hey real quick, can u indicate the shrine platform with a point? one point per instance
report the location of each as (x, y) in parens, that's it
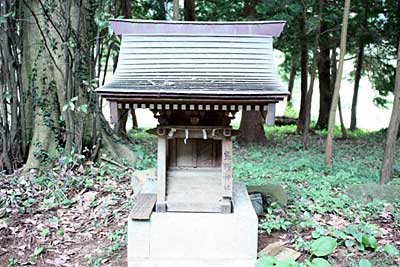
(182, 239)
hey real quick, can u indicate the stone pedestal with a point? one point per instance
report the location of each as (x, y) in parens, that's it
(173, 239)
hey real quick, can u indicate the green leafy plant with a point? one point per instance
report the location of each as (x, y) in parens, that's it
(323, 246)
(272, 221)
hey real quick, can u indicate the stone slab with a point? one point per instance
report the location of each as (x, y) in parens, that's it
(196, 239)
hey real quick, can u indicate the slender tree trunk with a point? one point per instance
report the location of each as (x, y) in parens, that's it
(11, 129)
(390, 145)
(357, 78)
(175, 8)
(304, 77)
(313, 74)
(292, 78)
(342, 126)
(333, 79)
(398, 23)
(324, 76)
(189, 10)
(338, 80)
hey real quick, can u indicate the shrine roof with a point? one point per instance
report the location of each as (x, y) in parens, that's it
(217, 60)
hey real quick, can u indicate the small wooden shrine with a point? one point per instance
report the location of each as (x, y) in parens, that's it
(194, 77)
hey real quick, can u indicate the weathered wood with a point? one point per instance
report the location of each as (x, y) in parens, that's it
(270, 119)
(143, 207)
(227, 167)
(191, 62)
(161, 173)
(114, 112)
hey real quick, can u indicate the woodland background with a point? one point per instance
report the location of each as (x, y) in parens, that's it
(65, 172)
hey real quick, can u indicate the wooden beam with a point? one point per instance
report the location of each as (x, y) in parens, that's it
(161, 174)
(270, 119)
(143, 207)
(113, 112)
(227, 168)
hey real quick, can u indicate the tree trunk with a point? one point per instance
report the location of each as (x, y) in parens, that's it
(390, 145)
(338, 80)
(59, 89)
(36, 51)
(342, 126)
(313, 74)
(251, 129)
(12, 128)
(189, 10)
(324, 77)
(126, 8)
(333, 79)
(175, 8)
(357, 78)
(304, 77)
(252, 122)
(292, 78)
(123, 114)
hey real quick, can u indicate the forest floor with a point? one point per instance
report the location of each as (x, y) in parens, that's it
(75, 214)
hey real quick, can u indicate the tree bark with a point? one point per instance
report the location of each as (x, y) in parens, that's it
(175, 8)
(304, 77)
(11, 108)
(123, 114)
(357, 78)
(333, 79)
(324, 77)
(390, 144)
(59, 90)
(189, 10)
(292, 78)
(313, 74)
(251, 129)
(252, 123)
(338, 80)
(342, 126)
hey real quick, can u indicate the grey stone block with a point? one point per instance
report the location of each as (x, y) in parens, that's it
(196, 239)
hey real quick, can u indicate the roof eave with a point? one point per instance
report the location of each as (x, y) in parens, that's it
(260, 28)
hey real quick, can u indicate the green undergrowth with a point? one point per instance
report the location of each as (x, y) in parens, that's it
(318, 205)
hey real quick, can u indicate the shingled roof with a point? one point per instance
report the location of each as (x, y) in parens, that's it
(218, 61)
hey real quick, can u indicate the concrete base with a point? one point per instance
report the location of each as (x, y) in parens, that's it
(172, 239)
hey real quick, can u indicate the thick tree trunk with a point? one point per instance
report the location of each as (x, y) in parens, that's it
(189, 10)
(304, 78)
(338, 80)
(357, 78)
(390, 145)
(324, 77)
(292, 78)
(251, 129)
(252, 123)
(46, 111)
(60, 92)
